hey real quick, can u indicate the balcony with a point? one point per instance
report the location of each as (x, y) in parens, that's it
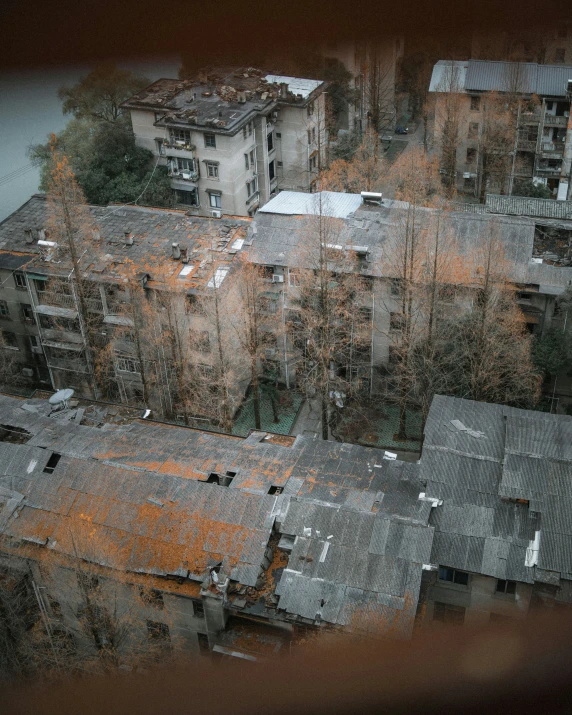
(551, 120)
(552, 148)
(184, 175)
(62, 300)
(548, 172)
(178, 149)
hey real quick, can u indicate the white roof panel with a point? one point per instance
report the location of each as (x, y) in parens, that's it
(332, 203)
(448, 74)
(305, 87)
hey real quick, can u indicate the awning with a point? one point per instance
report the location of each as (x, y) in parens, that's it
(56, 311)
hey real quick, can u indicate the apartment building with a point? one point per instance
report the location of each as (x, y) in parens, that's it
(241, 542)
(543, 133)
(538, 264)
(147, 275)
(499, 479)
(241, 546)
(232, 138)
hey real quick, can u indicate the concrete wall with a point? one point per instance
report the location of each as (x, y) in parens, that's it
(479, 599)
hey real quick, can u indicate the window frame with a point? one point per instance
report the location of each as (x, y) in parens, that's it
(454, 580)
(210, 140)
(443, 613)
(20, 277)
(505, 587)
(475, 103)
(5, 310)
(215, 199)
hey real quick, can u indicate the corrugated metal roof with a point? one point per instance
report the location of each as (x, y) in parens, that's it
(448, 76)
(326, 203)
(297, 85)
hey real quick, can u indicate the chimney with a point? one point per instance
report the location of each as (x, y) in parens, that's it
(284, 90)
(241, 95)
(176, 251)
(185, 255)
(29, 235)
(128, 238)
(189, 96)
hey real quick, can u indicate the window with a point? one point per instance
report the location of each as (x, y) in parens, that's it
(49, 322)
(253, 159)
(212, 169)
(269, 303)
(310, 108)
(200, 339)
(293, 277)
(271, 171)
(275, 490)
(246, 161)
(152, 597)
(34, 341)
(278, 135)
(194, 305)
(313, 134)
(313, 163)
(471, 155)
(447, 613)
(181, 164)
(127, 365)
(158, 632)
(396, 321)
(160, 147)
(473, 130)
(250, 127)
(210, 141)
(365, 314)
(507, 587)
(198, 609)
(20, 281)
(270, 141)
(4, 311)
(158, 116)
(215, 201)
(181, 136)
(461, 578)
(52, 463)
(189, 198)
(395, 286)
(27, 312)
(559, 55)
(251, 187)
(309, 137)
(10, 340)
(524, 297)
(203, 640)
(475, 104)
(244, 130)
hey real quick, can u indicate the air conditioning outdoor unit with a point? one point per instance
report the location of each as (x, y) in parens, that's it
(216, 214)
(277, 278)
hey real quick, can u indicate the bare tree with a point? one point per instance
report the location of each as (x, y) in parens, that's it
(365, 171)
(448, 120)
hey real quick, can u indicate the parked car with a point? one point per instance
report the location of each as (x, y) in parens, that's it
(401, 130)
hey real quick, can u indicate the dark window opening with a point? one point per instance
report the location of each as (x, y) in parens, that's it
(203, 643)
(475, 104)
(271, 172)
(213, 478)
(52, 463)
(275, 490)
(453, 576)
(152, 597)
(158, 632)
(198, 609)
(447, 613)
(471, 155)
(505, 586)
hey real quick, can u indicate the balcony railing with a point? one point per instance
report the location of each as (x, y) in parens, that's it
(551, 172)
(526, 145)
(552, 148)
(185, 175)
(73, 365)
(179, 145)
(62, 300)
(554, 121)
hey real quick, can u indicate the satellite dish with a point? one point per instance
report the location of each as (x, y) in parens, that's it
(61, 397)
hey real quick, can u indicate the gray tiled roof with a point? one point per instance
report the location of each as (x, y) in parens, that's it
(523, 456)
(361, 532)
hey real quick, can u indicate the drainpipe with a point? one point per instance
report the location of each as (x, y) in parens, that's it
(285, 338)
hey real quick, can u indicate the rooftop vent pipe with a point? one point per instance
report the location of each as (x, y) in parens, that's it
(176, 251)
(128, 238)
(29, 235)
(284, 90)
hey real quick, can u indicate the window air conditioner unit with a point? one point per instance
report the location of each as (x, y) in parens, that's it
(277, 278)
(216, 214)
(186, 174)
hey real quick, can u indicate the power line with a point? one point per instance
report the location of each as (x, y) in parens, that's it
(16, 174)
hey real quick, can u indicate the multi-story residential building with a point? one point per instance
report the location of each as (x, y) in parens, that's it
(500, 480)
(233, 137)
(536, 256)
(240, 546)
(545, 45)
(232, 537)
(542, 135)
(169, 259)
